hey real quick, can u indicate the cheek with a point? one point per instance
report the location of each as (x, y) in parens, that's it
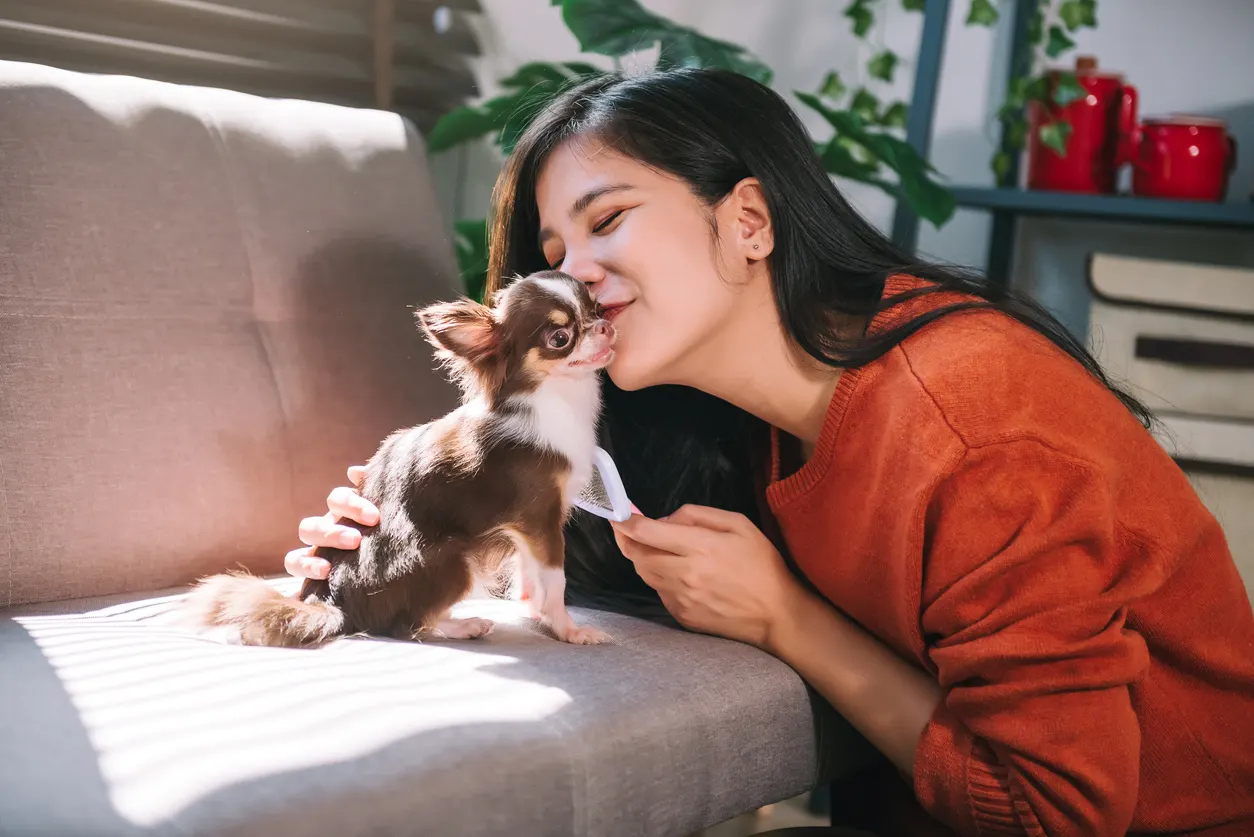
(670, 262)
(669, 323)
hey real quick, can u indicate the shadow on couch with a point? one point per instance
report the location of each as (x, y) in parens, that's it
(134, 727)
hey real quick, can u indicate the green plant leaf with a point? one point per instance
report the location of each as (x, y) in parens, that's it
(469, 122)
(1016, 133)
(538, 72)
(1071, 14)
(534, 73)
(612, 27)
(832, 88)
(883, 65)
(619, 27)
(982, 13)
(1001, 166)
(527, 109)
(470, 241)
(913, 5)
(846, 122)
(1067, 90)
(1076, 14)
(1090, 12)
(859, 11)
(692, 49)
(865, 104)
(840, 157)
(507, 116)
(1055, 135)
(894, 116)
(1019, 90)
(1037, 89)
(1059, 42)
(1036, 28)
(925, 197)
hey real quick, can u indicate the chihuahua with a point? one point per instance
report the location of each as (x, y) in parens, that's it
(461, 496)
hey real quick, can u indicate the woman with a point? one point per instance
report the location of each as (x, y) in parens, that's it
(1001, 579)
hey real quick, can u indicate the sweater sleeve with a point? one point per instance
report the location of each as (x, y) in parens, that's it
(1027, 581)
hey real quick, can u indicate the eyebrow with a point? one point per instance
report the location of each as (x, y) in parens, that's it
(580, 206)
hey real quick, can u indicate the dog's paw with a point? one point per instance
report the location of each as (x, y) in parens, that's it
(471, 628)
(584, 635)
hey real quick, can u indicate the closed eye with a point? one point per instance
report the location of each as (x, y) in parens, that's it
(605, 224)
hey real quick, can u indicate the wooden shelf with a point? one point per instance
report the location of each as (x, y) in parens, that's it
(1108, 207)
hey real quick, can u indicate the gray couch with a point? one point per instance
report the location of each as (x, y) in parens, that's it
(205, 316)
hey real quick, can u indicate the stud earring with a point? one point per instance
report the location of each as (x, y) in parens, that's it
(755, 247)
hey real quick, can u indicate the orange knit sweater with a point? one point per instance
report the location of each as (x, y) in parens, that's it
(993, 514)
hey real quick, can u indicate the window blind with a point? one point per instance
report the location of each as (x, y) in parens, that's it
(411, 56)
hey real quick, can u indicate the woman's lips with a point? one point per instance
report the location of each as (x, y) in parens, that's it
(611, 311)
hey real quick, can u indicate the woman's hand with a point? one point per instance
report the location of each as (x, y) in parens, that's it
(343, 502)
(716, 573)
(714, 570)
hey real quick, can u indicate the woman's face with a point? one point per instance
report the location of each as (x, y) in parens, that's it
(643, 243)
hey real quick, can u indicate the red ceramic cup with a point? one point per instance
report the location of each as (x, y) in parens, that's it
(1183, 158)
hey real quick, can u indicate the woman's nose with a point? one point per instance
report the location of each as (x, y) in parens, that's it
(583, 268)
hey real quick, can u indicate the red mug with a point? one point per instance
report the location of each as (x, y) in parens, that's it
(1103, 121)
(1183, 158)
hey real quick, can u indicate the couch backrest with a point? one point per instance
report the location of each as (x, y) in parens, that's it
(205, 317)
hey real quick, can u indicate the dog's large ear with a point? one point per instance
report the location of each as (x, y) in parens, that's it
(464, 329)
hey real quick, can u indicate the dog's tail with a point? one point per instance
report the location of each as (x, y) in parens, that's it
(256, 614)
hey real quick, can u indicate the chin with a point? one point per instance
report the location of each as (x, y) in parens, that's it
(631, 377)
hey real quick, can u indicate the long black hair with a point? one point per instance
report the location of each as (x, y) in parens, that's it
(712, 129)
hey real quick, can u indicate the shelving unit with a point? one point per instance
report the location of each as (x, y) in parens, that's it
(1008, 205)
(1108, 207)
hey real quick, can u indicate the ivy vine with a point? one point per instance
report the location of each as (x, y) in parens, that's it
(1052, 24)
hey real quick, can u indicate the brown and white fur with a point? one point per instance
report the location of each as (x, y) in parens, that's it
(459, 496)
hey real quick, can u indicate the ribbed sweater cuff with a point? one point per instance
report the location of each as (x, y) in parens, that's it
(959, 781)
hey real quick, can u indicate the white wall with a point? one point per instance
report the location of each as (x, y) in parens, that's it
(1184, 56)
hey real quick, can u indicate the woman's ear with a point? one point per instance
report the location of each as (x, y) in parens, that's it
(754, 231)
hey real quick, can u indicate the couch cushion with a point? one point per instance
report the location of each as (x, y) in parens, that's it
(205, 317)
(114, 722)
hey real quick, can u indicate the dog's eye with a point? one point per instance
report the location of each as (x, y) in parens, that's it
(559, 339)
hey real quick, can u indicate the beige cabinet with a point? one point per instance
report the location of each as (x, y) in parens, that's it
(1181, 337)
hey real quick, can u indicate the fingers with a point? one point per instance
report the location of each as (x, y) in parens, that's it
(655, 567)
(675, 538)
(324, 531)
(302, 563)
(347, 503)
(709, 517)
(357, 474)
(343, 504)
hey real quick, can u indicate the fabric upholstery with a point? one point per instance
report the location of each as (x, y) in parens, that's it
(205, 317)
(114, 721)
